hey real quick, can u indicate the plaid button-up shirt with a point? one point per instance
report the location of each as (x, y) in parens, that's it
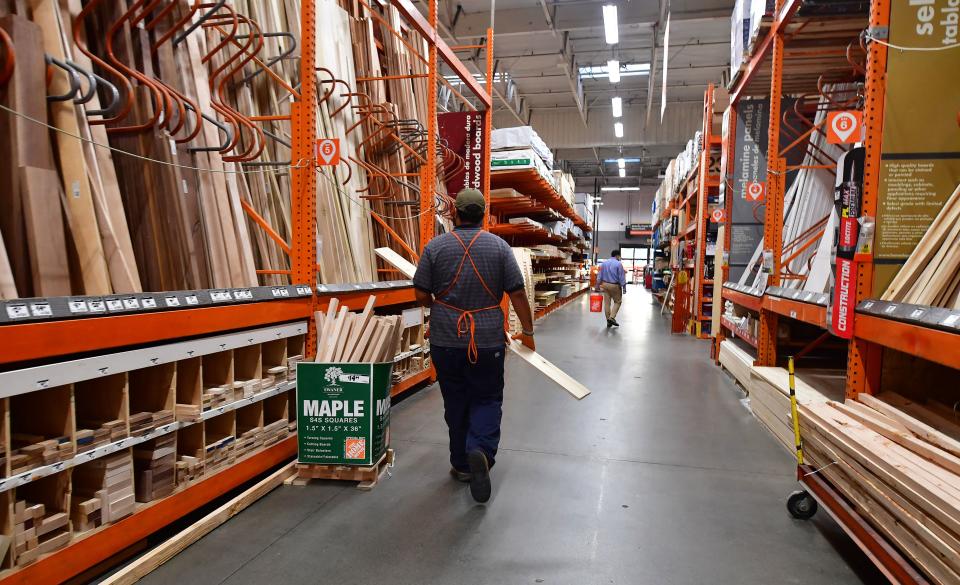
(438, 267)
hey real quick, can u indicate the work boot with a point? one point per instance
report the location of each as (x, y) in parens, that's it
(479, 476)
(462, 476)
(614, 323)
(609, 323)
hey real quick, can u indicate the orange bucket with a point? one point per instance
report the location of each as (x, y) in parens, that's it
(596, 302)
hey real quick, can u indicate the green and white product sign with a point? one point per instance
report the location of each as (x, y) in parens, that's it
(343, 412)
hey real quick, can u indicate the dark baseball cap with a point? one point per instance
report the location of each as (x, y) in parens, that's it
(467, 198)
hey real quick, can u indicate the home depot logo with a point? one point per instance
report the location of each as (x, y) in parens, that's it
(355, 448)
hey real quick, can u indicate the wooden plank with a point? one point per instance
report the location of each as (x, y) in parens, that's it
(170, 548)
(358, 331)
(919, 428)
(81, 215)
(8, 288)
(921, 448)
(405, 267)
(574, 388)
(45, 238)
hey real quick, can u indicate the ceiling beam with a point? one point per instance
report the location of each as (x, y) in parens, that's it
(573, 75)
(634, 17)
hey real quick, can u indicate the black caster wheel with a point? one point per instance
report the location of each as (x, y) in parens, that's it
(801, 505)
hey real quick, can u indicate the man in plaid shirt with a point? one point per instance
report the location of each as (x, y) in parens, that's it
(463, 276)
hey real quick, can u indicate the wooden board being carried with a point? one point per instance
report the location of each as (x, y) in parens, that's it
(576, 389)
(405, 267)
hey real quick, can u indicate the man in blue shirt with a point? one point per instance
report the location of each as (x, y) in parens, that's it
(612, 282)
(463, 276)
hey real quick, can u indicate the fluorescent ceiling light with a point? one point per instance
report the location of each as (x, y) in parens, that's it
(618, 129)
(623, 173)
(613, 70)
(611, 29)
(619, 188)
(621, 163)
(617, 105)
(617, 160)
(626, 70)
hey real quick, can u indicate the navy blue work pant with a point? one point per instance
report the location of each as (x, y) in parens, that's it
(472, 400)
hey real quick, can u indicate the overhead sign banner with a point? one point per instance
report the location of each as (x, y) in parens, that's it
(464, 134)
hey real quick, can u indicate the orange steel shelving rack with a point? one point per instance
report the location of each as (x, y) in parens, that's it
(770, 72)
(44, 340)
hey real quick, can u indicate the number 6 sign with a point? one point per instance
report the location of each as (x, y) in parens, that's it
(328, 152)
(844, 127)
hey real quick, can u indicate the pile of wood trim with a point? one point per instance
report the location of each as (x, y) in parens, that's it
(931, 275)
(898, 463)
(356, 337)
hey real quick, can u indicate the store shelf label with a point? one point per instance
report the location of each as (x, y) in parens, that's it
(18, 311)
(172, 301)
(951, 320)
(41, 309)
(192, 300)
(149, 303)
(917, 313)
(131, 304)
(889, 310)
(97, 306)
(77, 306)
(868, 305)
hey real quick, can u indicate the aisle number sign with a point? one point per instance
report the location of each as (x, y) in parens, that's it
(844, 127)
(328, 152)
(756, 190)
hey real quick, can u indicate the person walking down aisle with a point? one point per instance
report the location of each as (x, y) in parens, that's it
(463, 276)
(612, 282)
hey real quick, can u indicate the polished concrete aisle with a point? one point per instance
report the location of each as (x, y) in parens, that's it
(661, 476)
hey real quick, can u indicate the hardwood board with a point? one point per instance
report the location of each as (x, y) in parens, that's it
(45, 238)
(574, 388)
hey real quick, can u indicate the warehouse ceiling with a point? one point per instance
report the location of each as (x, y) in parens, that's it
(550, 60)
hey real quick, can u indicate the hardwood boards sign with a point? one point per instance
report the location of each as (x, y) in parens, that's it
(464, 134)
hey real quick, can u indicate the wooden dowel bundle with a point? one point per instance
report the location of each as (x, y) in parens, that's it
(356, 337)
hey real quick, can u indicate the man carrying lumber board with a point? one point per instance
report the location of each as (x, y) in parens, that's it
(463, 275)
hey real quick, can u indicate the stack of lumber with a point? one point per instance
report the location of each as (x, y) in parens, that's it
(524, 257)
(898, 463)
(769, 393)
(103, 492)
(143, 422)
(276, 375)
(737, 361)
(188, 412)
(246, 388)
(931, 275)
(214, 396)
(31, 451)
(37, 531)
(220, 453)
(154, 463)
(275, 431)
(189, 469)
(292, 367)
(363, 337)
(88, 439)
(249, 441)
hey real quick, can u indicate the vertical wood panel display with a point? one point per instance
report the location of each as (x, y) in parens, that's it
(189, 389)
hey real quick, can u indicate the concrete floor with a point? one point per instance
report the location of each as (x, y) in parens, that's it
(661, 476)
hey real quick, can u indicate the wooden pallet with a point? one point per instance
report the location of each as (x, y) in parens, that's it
(366, 475)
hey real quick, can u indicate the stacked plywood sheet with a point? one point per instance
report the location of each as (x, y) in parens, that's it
(770, 396)
(154, 465)
(931, 275)
(898, 463)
